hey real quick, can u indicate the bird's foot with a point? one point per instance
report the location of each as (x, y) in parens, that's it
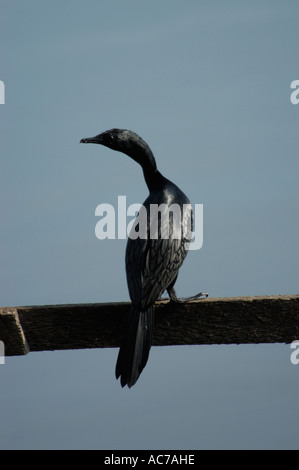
(173, 297)
(195, 297)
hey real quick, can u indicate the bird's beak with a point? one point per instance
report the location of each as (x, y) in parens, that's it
(91, 140)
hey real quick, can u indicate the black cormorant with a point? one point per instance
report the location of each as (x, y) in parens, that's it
(152, 260)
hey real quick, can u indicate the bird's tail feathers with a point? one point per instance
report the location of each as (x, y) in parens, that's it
(134, 351)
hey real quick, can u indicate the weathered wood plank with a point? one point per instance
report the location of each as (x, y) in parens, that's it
(11, 333)
(266, 319)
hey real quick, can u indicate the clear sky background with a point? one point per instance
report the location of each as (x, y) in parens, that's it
(207, 85)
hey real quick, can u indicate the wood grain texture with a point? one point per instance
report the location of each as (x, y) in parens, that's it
(235, 320)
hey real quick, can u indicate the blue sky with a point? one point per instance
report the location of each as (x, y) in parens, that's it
(207, 85)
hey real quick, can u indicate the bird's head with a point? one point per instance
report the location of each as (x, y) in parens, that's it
(116, 139)
(127, 142)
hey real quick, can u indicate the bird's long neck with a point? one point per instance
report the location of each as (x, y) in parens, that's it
(153, 178)
(144, 156)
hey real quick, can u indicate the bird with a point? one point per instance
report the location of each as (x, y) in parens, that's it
(152, 259)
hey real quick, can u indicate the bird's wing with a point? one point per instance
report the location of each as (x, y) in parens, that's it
(153, 263)
(134, 258)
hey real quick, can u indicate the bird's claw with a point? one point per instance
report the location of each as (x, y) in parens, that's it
(195, 297)
(188, 299)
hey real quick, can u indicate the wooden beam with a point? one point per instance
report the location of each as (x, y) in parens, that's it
(11, 333)
(267, 319)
